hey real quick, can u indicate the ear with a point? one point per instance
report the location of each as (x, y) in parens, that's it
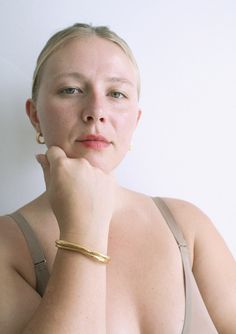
(138, 117)
(31, 111)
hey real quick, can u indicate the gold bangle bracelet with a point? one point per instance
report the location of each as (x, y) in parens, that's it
(71, 246)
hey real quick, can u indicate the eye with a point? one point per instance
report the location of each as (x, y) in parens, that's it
(118, 95)
(70, 91)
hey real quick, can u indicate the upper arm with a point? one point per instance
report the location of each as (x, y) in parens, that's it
(18, 299)
(214, 267)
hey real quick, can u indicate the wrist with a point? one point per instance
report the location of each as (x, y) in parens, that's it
(75, 247)
(89, 240)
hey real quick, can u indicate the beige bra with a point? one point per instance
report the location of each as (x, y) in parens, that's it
(197, 319)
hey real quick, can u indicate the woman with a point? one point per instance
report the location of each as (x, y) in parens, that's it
(123, 262)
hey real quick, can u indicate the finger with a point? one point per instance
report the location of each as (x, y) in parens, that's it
(43, 161)
(54, 153)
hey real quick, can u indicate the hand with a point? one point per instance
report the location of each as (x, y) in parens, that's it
(81, 196)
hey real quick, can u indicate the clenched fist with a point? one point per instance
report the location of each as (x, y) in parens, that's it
(81, 196)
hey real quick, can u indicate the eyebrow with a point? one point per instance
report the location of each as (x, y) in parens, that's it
(120, 80)
(80, 76)
(75, 75)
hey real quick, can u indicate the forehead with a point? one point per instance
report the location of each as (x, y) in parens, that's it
(90, 55)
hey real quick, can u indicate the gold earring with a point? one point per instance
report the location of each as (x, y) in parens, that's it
(39, 138)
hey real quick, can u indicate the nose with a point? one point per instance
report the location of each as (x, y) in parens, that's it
(94, 110)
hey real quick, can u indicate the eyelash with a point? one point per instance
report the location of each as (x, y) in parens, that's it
(75, 91)
(121, 95)
(70, 91)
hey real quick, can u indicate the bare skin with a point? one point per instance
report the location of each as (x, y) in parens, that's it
(143, 285)
(134, 301)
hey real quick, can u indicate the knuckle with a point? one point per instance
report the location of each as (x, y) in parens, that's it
(84, 162)
(59, 166)
(61, 162)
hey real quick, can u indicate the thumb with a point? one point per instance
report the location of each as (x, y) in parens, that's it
(43, 161)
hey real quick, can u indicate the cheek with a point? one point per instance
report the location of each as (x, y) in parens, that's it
(126, 127)
(53, 121)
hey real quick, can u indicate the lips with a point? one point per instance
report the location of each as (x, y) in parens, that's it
(96, 142)
(94, 138)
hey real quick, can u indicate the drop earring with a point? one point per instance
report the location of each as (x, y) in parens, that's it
(40, 138)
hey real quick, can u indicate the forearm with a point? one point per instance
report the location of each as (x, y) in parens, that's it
(75, 299)
(82, 199)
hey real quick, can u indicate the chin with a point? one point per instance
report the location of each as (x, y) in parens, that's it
(95, 161)
(102, 160)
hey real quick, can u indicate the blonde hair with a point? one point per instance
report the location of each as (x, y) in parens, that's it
(78, 30)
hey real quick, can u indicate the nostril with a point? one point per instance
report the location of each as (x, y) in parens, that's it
(89, 118)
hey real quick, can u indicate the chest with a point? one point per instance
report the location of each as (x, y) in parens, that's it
(145, 289)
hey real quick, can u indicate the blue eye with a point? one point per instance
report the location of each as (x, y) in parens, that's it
(117, 95)
(70, 91)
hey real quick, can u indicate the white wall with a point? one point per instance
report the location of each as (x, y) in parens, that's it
(185, 144)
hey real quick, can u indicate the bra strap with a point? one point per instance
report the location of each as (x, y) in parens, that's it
(178, 235)
(40, 264)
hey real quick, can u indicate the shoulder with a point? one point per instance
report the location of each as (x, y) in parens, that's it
(196, 226)
(193, 221)
(9, 238)
(18, 298)
(187, 214)
(14, 251)
(213, 265)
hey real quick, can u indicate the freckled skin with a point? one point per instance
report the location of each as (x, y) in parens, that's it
(89, 86)
(99, 97)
